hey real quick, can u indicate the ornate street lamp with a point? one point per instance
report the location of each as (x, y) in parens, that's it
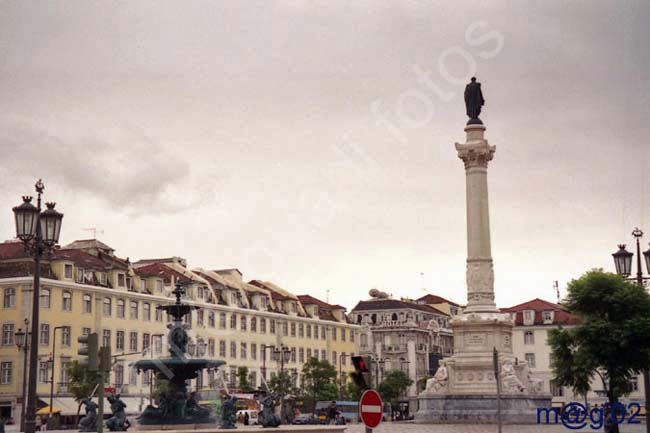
(39, 231)
(623, 263)
(22, 342)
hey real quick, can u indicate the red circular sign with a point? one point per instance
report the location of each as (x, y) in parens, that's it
(371, 408)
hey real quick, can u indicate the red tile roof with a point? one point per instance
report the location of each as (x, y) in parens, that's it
(12, 250)
(24, 269)
(393, 304)
(560, 315)
(162, 271)
(435, 299)
(81, 259)
(310, 300)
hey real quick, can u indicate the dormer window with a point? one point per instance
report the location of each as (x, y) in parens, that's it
(102, 278)
(547, 317)
(294, 308)
(529, 317)
(80, 275)
(68, 271)
(263, 302)
(159, 286)
(121, 280)
(143, 285)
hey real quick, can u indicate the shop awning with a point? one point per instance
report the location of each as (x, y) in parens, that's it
(62, 405)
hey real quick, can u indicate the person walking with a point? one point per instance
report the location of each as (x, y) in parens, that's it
(331, 413)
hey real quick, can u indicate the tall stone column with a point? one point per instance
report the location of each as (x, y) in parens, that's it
(476, 153)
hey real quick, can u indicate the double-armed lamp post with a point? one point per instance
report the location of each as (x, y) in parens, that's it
(22, 342)
(623, 263)
(39, 230)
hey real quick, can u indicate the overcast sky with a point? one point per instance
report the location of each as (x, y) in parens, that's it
(312, 143)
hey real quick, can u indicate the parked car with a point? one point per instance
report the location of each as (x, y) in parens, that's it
(304, 418)
(10, 421)
(252, 416)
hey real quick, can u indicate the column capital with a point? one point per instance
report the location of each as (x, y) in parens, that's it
(475, 152)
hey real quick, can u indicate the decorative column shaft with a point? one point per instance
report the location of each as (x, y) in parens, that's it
(476, 153)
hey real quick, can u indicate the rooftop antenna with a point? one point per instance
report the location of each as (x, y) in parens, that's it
(94, 230)
(557, 290)
(327, 296)
(424, 289)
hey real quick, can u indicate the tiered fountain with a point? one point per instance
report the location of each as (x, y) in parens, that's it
(174, 405)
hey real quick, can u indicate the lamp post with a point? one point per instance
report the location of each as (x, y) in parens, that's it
(283, 355)
(378, 361)
(623, 263)
(22, 341)
(39, 231)
(264, 347)
(52, 374)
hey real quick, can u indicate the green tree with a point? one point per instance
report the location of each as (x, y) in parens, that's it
(243, 379)
(281, 383)
(351, 391)
(394, 385)
(612, 340)
(318, 377)
(81, 382)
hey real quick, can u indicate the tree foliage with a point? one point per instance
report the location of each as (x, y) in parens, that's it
(281, 383)
(613, 339)
(319, 377)
(81, 382)
(394, 385)
(243, 379)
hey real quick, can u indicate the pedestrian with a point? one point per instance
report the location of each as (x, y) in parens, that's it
(246, 418)
(2, 424)
(331, 413)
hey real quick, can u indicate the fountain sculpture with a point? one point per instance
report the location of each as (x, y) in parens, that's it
(175, 406)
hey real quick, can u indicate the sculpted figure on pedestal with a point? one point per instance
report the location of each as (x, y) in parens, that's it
(439, 381)
(511, 383)
(474, 101)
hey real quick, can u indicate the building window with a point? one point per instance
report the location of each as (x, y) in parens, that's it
(343, 361)
(222, 320)
(253, 351)
(118, 371)
(8, 334)
(334, 334)
(243, 351)
(301, 330)
(233, 321)
(159, 286)
(211, 321)
(253, 324)
(352, 336)
(263, 325)
(343, 334)
(45, 298)
(233, 349)
(315, 331)
(293, 329)
(293, 354)
(211, 347)
(134, 310)
(45, 334)
(285, 328)
(529, 317)
(9, 299)
(146, 341)
(530, 359)
(106, 337)
(66, 336)
(133, 376)
(6, 373)
(87, 304)
(334, 360)
(222, 348)
(308, 354)
(547, 316)
(159, 314)
(308, 331)
(68, 271)
(67, 301)
(121, 281)
(556, 391)
(301, 355)
(120, 308)
(323, 354)
(529, 337)
(323, 333)
(272, 326)
(102, 278)
(43, 371)
(146, 311)
(107, 307)
(244, 323)
(119, 340)
(316, 353)
(199, 317)
(158, 342)
(133, 342)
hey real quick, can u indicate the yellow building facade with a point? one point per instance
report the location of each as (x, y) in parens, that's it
(86, 288)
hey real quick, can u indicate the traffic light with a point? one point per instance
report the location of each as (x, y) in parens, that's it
(90, 350)
(362, 376)
(105, 360)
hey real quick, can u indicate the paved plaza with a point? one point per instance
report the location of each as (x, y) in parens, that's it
(398, 427)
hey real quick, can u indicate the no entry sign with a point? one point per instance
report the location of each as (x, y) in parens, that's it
(370, 408)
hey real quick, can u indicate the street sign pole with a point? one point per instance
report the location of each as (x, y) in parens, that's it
(371, 409)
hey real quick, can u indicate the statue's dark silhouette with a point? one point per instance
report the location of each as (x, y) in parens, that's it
(473, 102)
